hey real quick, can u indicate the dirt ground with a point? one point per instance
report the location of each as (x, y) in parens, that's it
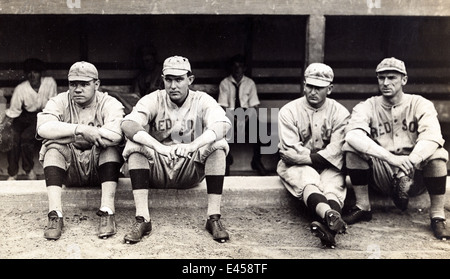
(256, 233)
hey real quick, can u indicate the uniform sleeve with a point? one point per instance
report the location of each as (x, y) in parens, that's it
(53, 110)
(144, 110)
(224, 94)
(212, 112)
(287, 130)
(360, 118)
(253, 99)
(113, 113)
(427, 122)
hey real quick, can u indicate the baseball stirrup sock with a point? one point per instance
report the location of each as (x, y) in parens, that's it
(318, 203)
(358, 176)
(214, 184)
(109, 172)
(435, 185)
(54, 176)
(140, 179)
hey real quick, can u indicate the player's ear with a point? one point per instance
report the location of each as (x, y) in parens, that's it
(191, 79)
(404, 80)
(97, 84)
(329, 89)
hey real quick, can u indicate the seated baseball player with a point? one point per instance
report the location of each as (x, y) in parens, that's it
(81, 131)
(311, 131)
(395, 146)
(176, 138)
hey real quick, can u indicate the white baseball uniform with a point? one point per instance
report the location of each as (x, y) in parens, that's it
(397, 128)
(170, 124)
(321, 131)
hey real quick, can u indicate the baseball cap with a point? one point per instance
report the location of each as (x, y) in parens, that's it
(391, 64)
(319, 74)
(82, 71)
(176, 66)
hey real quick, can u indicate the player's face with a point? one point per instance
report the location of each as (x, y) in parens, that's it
(237, 70)
(177, 87)
(83, 92)
(34, 77)
(316, 95)
(391, 83)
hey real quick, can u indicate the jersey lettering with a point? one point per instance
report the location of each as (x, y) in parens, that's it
(386, 128)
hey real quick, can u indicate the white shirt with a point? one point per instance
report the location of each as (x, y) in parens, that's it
(25, 97)
(247, 92)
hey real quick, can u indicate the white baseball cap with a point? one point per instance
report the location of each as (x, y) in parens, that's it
(82, 71)
(319, 74)
(392, 64)
(176, 66)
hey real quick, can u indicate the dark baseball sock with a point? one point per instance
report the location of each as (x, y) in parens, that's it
(214, 188)
(140, 179)
(109, 172)
(358, 176)
(314, 199)
(214, 184)
(335, 205)
(54, 176)
(435, 185)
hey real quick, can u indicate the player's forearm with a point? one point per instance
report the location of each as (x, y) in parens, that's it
(359, 140)
(209, 136)
(112, 138)
(146, 139)
(423, 150)
(56, 130)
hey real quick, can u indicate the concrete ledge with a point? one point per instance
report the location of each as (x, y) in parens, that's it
(239, 192)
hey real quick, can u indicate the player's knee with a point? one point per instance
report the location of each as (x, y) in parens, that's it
(215, 163)
(55, 157)
(137, 160)
(109, 154)
(355, 161)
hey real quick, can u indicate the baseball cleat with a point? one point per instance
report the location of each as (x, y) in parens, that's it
(334, 221)
(214, 226)
(107, 226)
(325, 235)
(440, 230)
(54, 226)
(357, 215)
(400, 194)
(139, 229)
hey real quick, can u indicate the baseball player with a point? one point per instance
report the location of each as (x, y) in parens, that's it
(176, 138)
(311, 131)
(80, 129)
(394, 144)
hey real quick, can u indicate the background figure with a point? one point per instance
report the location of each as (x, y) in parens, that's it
(239, 91)
(311, 131)
(81, 132)
(28, 98)
(149, 77)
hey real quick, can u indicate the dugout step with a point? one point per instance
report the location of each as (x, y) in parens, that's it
(239, 192)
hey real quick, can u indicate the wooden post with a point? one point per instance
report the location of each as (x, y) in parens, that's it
(315, 39)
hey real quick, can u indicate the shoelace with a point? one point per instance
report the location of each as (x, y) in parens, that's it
(136, 228)
(218, 225)
(53, 222)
